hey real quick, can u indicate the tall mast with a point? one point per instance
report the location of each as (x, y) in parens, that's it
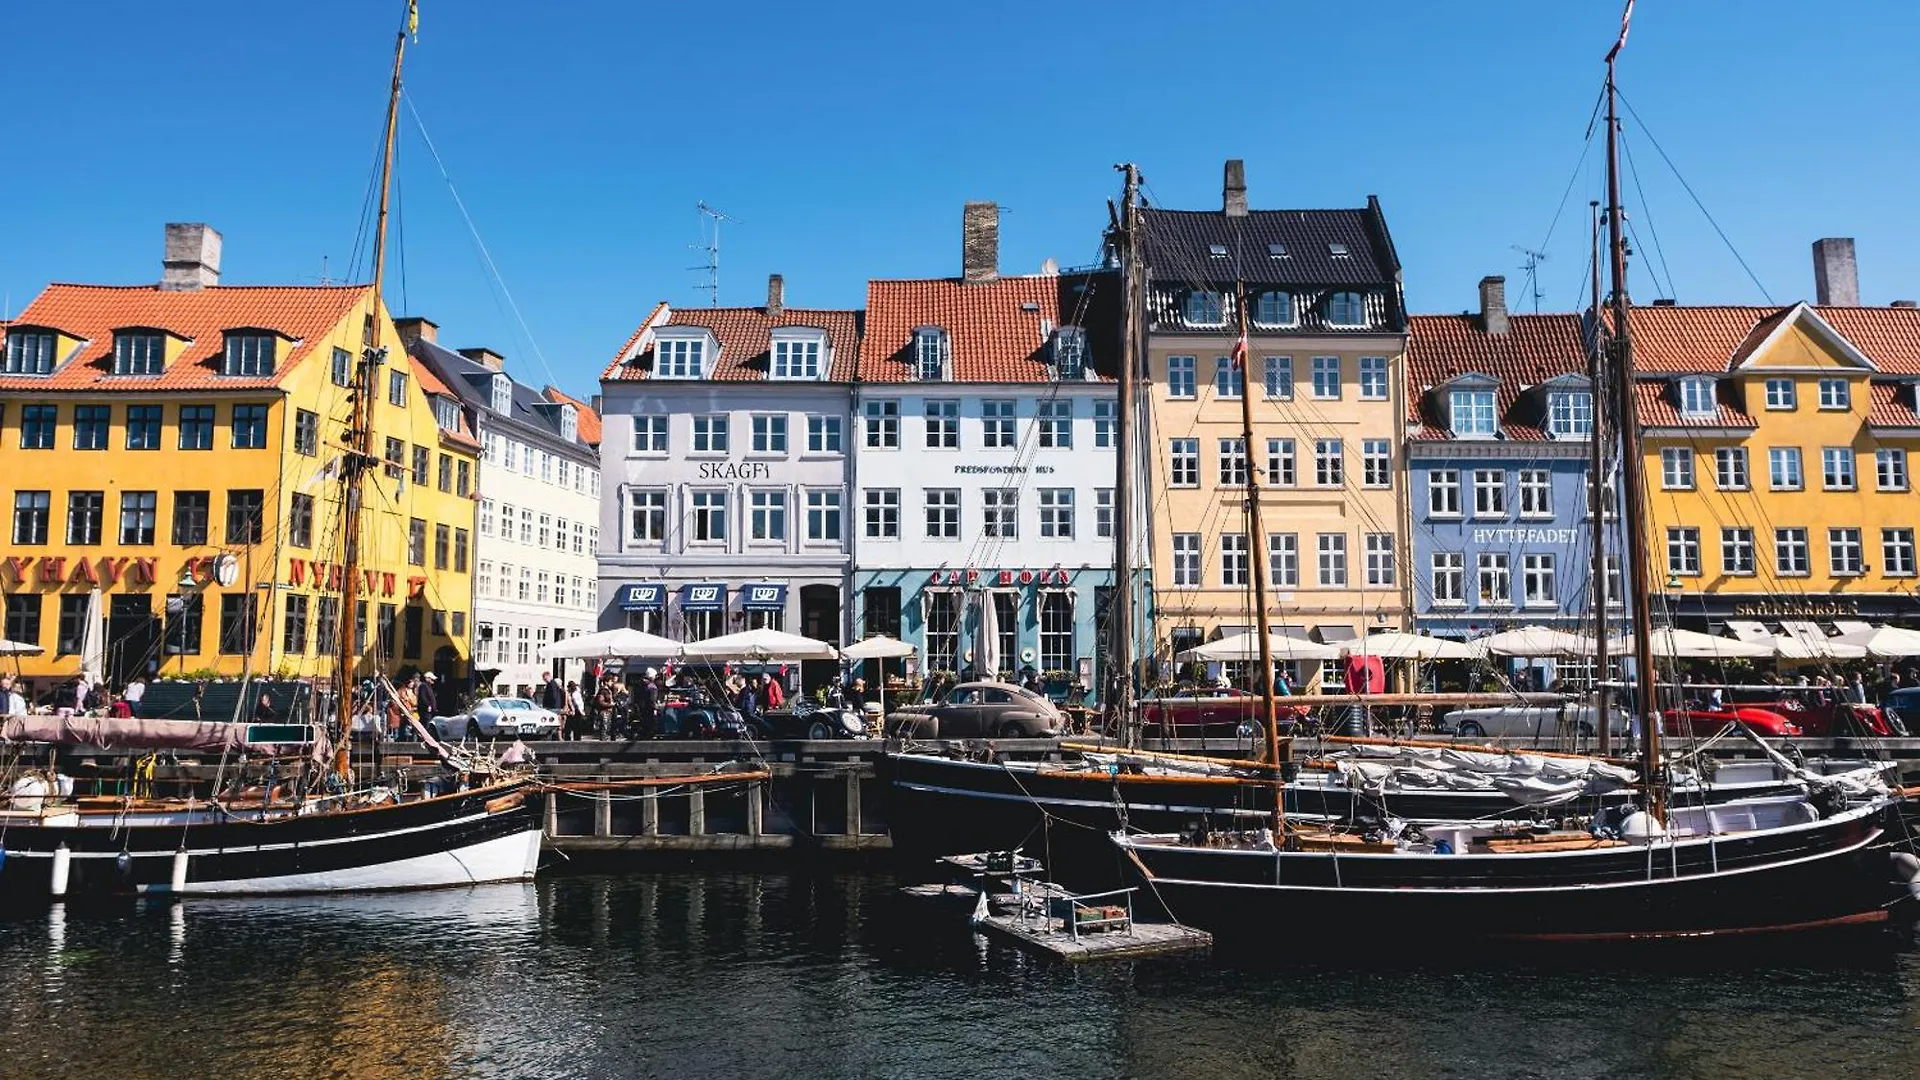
(1597, 498)
(1256, 549)
(359, 456)
(1632, 469)
(1120, 678)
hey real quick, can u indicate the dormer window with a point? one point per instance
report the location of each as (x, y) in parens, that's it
(1697, 398)
(1570, 414)
(1472, 414)
(1346, 309)
(679, 357)
(1202, 307)
(139, 352)
(500, 395)
(1273, 309)
(1276, 251)
(446, 414)
(930, 354)
(1069, 352)
(569, 423)
(1337, 249)
(1216, 251)
(249, 352)
(798, 355)
(30, 352)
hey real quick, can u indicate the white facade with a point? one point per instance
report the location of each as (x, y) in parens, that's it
(535, 570)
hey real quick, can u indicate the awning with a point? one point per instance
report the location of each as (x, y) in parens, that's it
(650, 596)
(1332, 632)
(765, 596)
(703, 596)
(1227, 630)
(1747, 630)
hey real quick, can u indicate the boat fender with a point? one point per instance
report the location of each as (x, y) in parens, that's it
(30, 793)
(1640, 825)
(1443, 847)
(3, 858)
(123, 862)
(1906, 869)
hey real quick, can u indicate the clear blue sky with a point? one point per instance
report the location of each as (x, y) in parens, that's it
(844, 138)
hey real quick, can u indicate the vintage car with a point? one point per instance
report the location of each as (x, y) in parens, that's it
(1704, 720)
(1531, 721)
(500, 718)
(1208, 712)
(972, 710)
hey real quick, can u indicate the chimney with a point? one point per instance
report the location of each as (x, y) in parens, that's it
(597, 399)
(413, 328)
(980, 242)
(1493, 304)
(1836, 280)
(1233, 195)
(192, 257)
(486, 358)
(776, 296)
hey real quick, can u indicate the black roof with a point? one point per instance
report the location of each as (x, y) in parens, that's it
(1184, 245)
(533, 413)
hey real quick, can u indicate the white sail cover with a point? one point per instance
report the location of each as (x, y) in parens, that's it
(109, 732)
(1528, 779)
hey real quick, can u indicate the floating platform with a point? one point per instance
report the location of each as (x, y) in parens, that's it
(1004, 897)
(1138, 941)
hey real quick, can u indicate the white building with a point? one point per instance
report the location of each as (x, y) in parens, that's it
(534, 565)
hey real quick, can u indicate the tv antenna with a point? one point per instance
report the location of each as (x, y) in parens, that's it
(710, 220)
(1532, 267)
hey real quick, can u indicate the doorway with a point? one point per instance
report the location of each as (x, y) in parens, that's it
(820, 619)
(133, 638)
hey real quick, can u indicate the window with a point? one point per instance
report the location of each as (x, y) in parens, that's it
(880, 610)
(1280, 463)
(143, 427)
(306, 434)
(1006, 609)
(1845, 552)
(442, 545)
(71, 634)
(1896, 552)
(1000, 513)
(1186, 559)
(1781, 395)
(1736, 550)
(1183, 463)
(943, 629)
(709, 516)
(294, 624)
(769, 433)
(1326, 378)
(422, 465)
(883, 425)
(397, 388)
(1273, 309)
(647, 517)
(996, 424)
(1783, 468)
(943, 513)
(1056, 513)
(1536, 493)
(190, 513)
(396, 458)
(416, 542)
(767, 515)
(460, 548)
(823, 515)
(1730, 468)
(675, 358)
(1683, 551)
(1180, 377)
(1836, 468)
(245, 512)
(710, 434)
(1283, 560)
(237, 617)
(1790, 552)
(84, 509)
(1333, 560)
(1229, 382)
(1329, 463)
(1069, 352)
(1202, 307)
(1376, 463)
(649, 434)
(930, 354)
(1495, 579)
(249, 427)
(1697, 398)
(23, 618)
(1103, 513)
(300, 520)
(446, 415)
(444, 474)
(463, 479)
(1443, 493)
(31, 509)
(1448, 575)
(1055, 420)
(37, 423)
(823, 435)
(1489, 493)
(1233, 463)
(342, 367)
(943, 425)
(1346, 308)
(1536, 580)
(1380, 572)
(1279, 378)
(1676, 468)
(183, 626)
(1373, 378)
(1105, 423)
(30, 352)
(1233, 559)
(91, 423)
(883, 514)
(500, 398)
(1834, 394)
(796, 358)
(1570, 414)
(249, 354)
(1890, 469)
(1472, 414)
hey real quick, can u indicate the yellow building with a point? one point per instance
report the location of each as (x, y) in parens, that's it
(1778, 444)
(1327, 335)
(168, 452)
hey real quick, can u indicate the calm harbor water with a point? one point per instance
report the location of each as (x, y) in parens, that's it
(673, 974)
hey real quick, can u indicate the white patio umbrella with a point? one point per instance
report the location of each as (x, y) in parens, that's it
(1797, 647)
(93, 645)
(1676, 644)
(18, 648)
(878, 647)
(1395, 645)
(1245, 647)
(1536, 641)
(986, 637)
(1885, 642)
(761, 644)
(615, 644)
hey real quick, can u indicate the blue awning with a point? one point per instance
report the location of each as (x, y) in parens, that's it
(651, 596)
(764, 596)
(703, 596)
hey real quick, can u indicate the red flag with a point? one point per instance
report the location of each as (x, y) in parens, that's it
(1240, 352)
(1625, 18)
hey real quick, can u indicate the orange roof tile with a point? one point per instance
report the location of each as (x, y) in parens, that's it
(1717, 338)
(1655, 401)
(745, 336)
(587, 422)
(996, 329)
(1892, 405)
(431, 385)
(1535, 348)
(304, 313)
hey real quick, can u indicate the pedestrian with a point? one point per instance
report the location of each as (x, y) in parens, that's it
(857, 695)
(405, 703)
(1859, 688)
(603, 712)
(776, 696)
(646, 704)
(12, 701)
(426, 699)
(134, 691)
(263, 711)
(748, 702)
(117, 706)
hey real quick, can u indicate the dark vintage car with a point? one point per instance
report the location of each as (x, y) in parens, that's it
(972, 710)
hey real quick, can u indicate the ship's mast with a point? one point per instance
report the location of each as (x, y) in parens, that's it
(1597, 497)
(1256, 548)
(1120, 676)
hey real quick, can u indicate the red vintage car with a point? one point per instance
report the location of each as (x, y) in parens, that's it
(1207, 713)
(1823, 713)
(1707, 720)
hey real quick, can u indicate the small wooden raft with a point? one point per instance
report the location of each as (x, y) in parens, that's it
(1007, 899)
(1139, 940)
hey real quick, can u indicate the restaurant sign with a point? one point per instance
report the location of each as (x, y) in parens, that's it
(1000, 578)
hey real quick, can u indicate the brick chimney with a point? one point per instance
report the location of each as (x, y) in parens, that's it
(980, 242)
(1493, 304)
(1836, 280)
(776, 296)
(192, 257)
(1233, 193)
(414, 328)
(486, 358)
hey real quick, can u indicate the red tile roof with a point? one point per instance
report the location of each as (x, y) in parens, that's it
(1889, 336)
(1677, 339)
(745, 336)
(1657, 403)
(307, 314)
(997, 330)
(431, 385)
(1892, 405)
(587, 421)
(1535, 348)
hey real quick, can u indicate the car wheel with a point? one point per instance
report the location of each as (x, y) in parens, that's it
(473, 730)
(819, 730)
(1253, 731)
(1011, 730)
(1471, 729)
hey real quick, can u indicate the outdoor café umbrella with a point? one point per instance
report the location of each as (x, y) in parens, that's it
(18, 648)
(877, 647)
(1395, 645)
(1245, 647)
(1884, 642)
(1536, 641)
(611, 645)
(1674, 644)
(758, 645)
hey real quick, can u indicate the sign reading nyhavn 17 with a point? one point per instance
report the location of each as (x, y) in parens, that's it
(58, 570)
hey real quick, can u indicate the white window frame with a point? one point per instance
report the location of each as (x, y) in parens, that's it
(1329, 463)
(1381, 570)
(1790, 546)
(1283, 560)
(1233, 462)
(709, 435)
(1376, 464)
(1838, 469)
(1890, 469)
(1537, 574)
(1443, 493)
(1683, 551)
(1472, 414)
(1374, 378)
(1331, 549)
(1493, 579)
(1234, 566)
(1490, 494)
(674, 357)
(1731, 471)
(1835, 395)
(880, 517)
(1056, 513)
(1676, 468)
(1785, 470)
(1697, 398)
(998, 428)
(1897, 552)
(942, 513)
(825, 434)
(1782, 395)
(1326, 378)
(1536, 493)
(942, 418)
(1182, 371)
(1000, 513)
(1278, 376)
(797, 357)
(707, 509)
(1846, 551)
(1183, 462)
(1446, 576)
(1186, 560)
(1738, 557)
(882, 423)
(769, 434)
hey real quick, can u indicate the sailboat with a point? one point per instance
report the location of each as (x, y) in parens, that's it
(1650, 871)
(323, 826)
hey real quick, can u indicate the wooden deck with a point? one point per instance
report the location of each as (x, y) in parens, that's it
(1139, 941)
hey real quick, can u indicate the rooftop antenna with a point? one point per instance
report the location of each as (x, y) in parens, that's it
(324, 279)
(710, 220)
(1532, 267)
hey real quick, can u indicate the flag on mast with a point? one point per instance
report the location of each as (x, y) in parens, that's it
(1625, 18)
(413, 19)
(1240, 349)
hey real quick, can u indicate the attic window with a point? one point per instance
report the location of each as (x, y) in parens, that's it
(30, 352)
(1273, 309)
(249, 353)
(500, 395)
(1337, 249)
(1276, 251)
(1202, 307)
(139, 352)
(1697, 399)
(1570, 413)
(569, 423)
(1346, 309)
(1217, 251)
(1471, 414)
(679, 358)
(797, 356)
(446, 414)
(1069, 352)
(930, 353)
(1029, 307)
